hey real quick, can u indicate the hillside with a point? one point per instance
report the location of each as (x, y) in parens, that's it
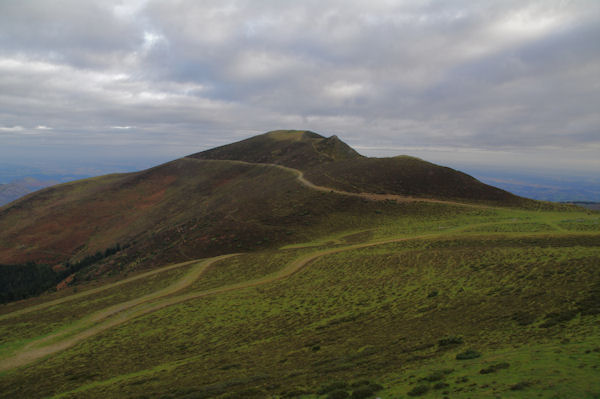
(267, 190)
(412, 299)
(178, 211)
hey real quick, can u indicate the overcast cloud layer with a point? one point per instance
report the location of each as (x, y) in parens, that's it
(513, 83)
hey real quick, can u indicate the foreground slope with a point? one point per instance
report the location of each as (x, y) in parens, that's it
(436, 300)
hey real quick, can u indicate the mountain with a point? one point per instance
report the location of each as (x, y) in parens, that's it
(281, 186)
(236, 273)
(18, 188)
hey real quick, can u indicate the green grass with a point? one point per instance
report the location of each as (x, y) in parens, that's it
(246, 266)
(521, 288)
(18, 330)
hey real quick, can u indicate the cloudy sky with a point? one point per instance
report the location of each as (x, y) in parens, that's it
(512, 84)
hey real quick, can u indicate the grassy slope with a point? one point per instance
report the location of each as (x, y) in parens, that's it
(519, 287)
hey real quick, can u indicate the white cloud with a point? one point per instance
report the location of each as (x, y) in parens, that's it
(11, 128)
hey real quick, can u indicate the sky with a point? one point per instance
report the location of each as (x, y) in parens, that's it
(506, 85)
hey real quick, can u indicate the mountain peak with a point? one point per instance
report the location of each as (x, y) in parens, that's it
(294, 148)
(292, 135)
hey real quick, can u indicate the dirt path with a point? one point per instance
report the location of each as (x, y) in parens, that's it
(93, 324)
(121, 313)
(92, 291)
(368, 196)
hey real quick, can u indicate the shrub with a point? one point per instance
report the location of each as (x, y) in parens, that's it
(494, 367)
(590, 305)
(437, 375)
(520, 385)
(418, 390)
(362, 393)
(555, 318)
(468, 354)
(332, 387)
(366, 391)
(294, 393)
(450, 341)
(440, 385)
(523, 318)
(338, 394)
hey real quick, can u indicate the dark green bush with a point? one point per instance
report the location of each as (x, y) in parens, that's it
(450, 341)
(366, 391)
(375, 387)
(360, 383)
(22, 281)
(437, 375)
(332, 387)
(294, 393)
(338, 394)
(590, 305)
(494, 367)
(520, 386)
(418, 390)
(555, 318)
(523, 318)
(440, 385)
(468, 354)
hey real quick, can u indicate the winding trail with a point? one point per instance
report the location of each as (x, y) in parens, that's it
(121, 313)
(92, 291)
(364, 195)
(106, 318)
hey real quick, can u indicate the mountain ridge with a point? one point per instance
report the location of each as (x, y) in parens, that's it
(331, 162)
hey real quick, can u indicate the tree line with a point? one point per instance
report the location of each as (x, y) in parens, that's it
(20, 281)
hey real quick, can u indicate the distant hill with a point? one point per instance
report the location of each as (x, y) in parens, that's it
(547, 188)
(595, 206)
(18, 188)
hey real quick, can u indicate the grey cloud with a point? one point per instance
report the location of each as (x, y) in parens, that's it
(453, 74)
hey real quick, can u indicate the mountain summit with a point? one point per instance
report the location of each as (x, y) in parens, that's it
(299, 149)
